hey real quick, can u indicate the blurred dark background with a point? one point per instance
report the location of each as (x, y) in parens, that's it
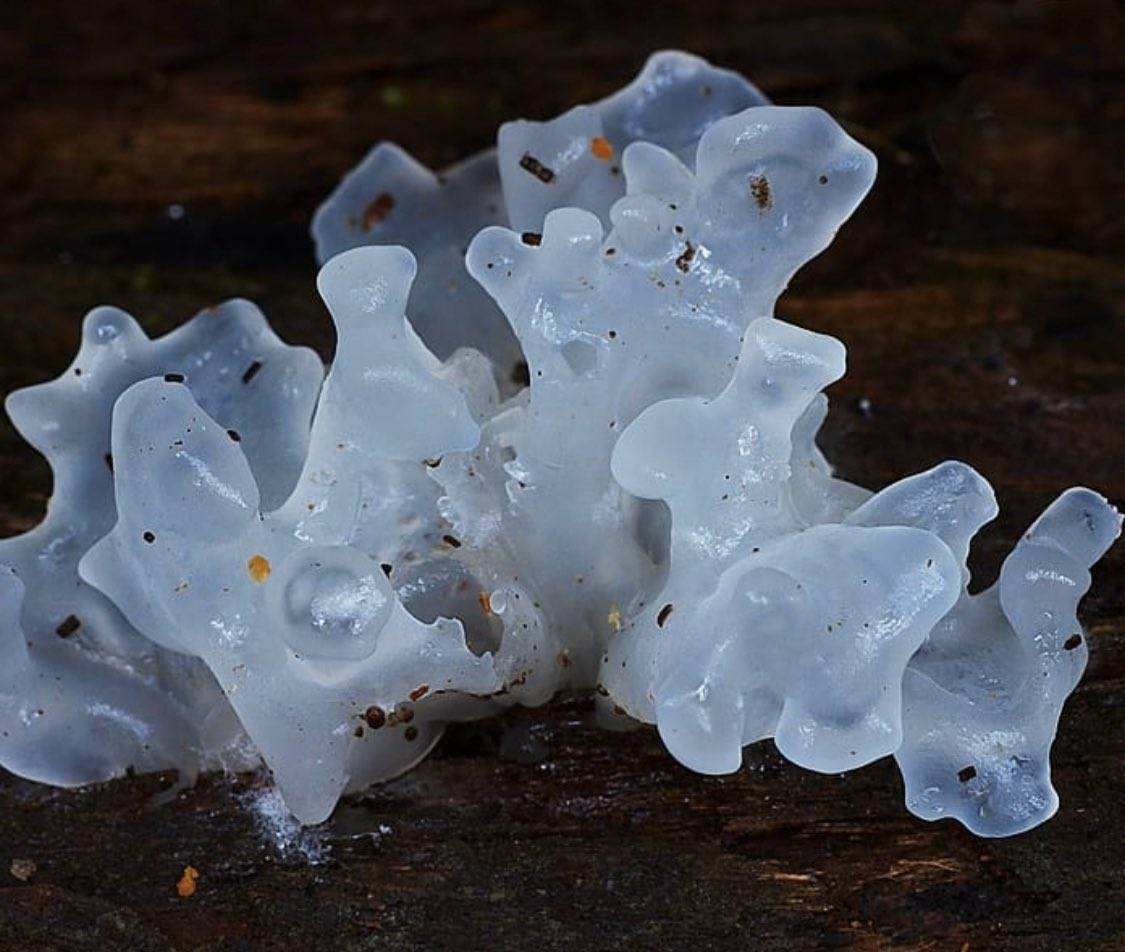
(162, 157)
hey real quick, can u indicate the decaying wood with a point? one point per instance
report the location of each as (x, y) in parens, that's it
(979, 291)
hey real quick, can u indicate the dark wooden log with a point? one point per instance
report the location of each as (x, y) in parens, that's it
(979, 291)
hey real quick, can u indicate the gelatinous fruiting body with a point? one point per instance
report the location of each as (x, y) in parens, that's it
(564, 444)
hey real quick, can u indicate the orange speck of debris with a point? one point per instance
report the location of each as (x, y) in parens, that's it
(485, 599)
(186, 886)
(601, 148)
(259, 568)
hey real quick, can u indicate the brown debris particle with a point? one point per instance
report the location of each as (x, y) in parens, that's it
(485, 599)
(683, 262)
(760, 191)
(404, 713)
(358, 732)
(601, 147)
(1072, 642)
(452, 541)
(532, 238)
(531, 164)
(965, 774)
(375, 717)
(411, 733)
(662, 617)
(419, 692)
(186, 886)
(377, 210)
(563, 660)
(69, 626)
(259, 568)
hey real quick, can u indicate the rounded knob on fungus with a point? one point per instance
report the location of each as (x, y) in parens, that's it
(330, 602)
(105, 325)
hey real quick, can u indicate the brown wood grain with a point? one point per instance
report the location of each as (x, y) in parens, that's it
(979, 291)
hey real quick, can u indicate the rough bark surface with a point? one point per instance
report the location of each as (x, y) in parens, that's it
(979, 291)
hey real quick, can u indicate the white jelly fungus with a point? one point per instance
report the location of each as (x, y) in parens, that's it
(578, 455)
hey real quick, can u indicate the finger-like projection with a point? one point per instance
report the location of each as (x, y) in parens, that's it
(984, 695)
(331, 676)
(575, 159)
(766, 627)
(804, 641)
(723, 465)
(108, 690)
(951, 500)
(391, 198)
(609, 325)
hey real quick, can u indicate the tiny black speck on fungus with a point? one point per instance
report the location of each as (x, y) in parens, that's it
(69, 626)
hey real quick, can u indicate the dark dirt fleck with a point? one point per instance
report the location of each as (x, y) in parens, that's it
(683, 262)
(377, 210)
(760, 191)
(531, 164)
(69, 626)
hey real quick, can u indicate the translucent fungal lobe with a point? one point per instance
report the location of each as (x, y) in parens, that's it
(563, 444)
